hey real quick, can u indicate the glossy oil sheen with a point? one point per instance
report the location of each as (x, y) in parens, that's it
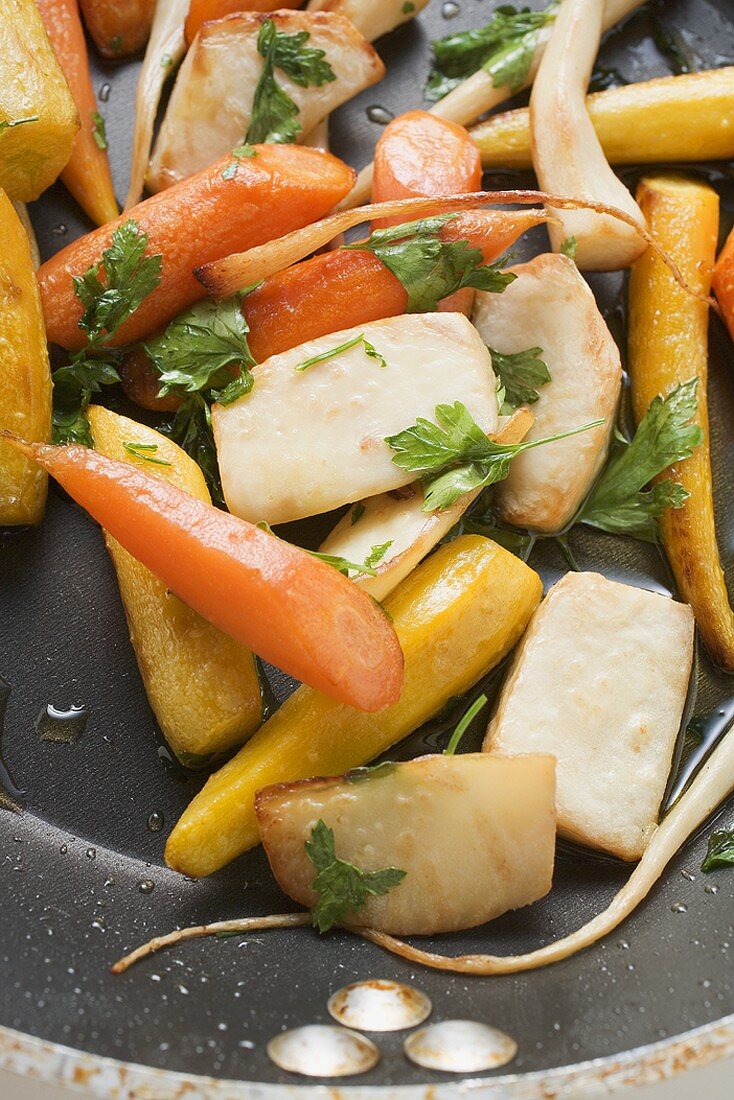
(211, 1006)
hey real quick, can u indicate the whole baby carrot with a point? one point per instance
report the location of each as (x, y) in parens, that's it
(118, 27)
(203, 11)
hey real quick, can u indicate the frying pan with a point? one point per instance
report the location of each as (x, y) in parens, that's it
(81, 867)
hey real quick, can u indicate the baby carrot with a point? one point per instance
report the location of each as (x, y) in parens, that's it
(118, 27)
(233, 204)
(202, 11)
(288, 607)
(87, 174)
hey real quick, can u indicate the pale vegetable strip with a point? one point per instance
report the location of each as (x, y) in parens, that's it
(477, 94)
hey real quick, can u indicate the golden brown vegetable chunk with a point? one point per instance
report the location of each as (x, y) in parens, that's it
(202, 685)
(25, 380)
(118, 27)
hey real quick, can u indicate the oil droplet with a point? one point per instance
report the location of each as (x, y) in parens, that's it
(624, 945)
(450, 9)
(380, 115)
(91, 853)
(147, 886)
(687, 875)
(99, 924)
(63, 727)
(460, 1046)
(61, 230)
(379, 1006)
(678, 907)
(64, 849)
(711, 888)
(104, 92)
(322, 1050)
(155, 822)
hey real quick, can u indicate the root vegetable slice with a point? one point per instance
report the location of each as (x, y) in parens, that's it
(600, 681)
(474, 834)
(567, 155)
(372, 18)
(398, 519)
(551, 307)
(305, 441)
(210, 108)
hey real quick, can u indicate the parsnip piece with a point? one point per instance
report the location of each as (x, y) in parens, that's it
(550, 306)
(38, 116)
(475, 835)
(567, 155)
(203, 686)
(600, 681)
(398, 518)
(372, 18)
(304, 442)
(457, 616)
(210, 108)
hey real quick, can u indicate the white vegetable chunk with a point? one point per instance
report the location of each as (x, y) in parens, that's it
(550, 306)
(210, 108)
(475, 835)
(304, 442)
(567, 155)
(372, 18)
(600, 681)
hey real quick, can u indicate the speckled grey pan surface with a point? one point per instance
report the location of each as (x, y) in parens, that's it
(72, 863)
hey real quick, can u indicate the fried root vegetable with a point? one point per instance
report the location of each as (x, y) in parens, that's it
(214, 98)
(457, 616)
(498, 812)
(282, 603)
(87, 173)
(203, 687)
(668, 343)
(25, 378)
(671, 118)
(38, 117)
(328, 422)
(397, 522)
(372, 18)
(723, 283)
(118, 27)
(22, 211)
(166, 47)
(600, 682)
(551, 308)
(196, 222)
(205, 11)
(479, 93)
(567, 155)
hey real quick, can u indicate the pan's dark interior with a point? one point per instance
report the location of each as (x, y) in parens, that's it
(74, 861)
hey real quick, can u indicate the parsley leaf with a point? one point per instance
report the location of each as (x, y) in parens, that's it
(454, 456)
(357, 512)
(429, 267)
(520, 374)
(341, 564)
(369, 349)
(342, 887)
(377, 553)
(477, 706)
(569, 247)
(199, 348)
(720, 851)
(10, 124)
(504, 48)
(191, 428)
(99, 131)
(619, 503)
(146, 452)
(274, 113)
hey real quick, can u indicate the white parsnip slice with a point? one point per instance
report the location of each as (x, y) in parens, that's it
(567, 154)
(474, 834)
(210, 108)
(305, 441)
(550, 306)
(372, 18)
(600, 681)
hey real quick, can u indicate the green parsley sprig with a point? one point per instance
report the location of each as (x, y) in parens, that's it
(720, 851)
(146, 452)
(520, 374)
(369, 349)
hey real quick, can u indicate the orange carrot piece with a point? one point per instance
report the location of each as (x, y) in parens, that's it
(723, 283)
(420, 155)
(87, 174)
(209, 215)
(288, 607)
(118, 27)
(203, 11)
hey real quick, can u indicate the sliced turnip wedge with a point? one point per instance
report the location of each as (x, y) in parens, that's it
(567, 154)
(397, 522)
(550, 307)
(166, 46)
(600, 681)
(304, 441)
(372, 18)
(211, 106)
(415, 817)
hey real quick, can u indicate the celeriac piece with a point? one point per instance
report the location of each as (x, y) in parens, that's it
(25, 378)
(600, 682)
(550, 306)
(474, 834)
(372, 18)
(211, 105)
(567, 155)
(38, 116)
(305, 441)
(203, 686)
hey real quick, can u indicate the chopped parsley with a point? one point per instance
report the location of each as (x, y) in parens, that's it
(477, 706)
(720, 851)
(99, 130)
(146, 452)
(520, 374)
(331, 353)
